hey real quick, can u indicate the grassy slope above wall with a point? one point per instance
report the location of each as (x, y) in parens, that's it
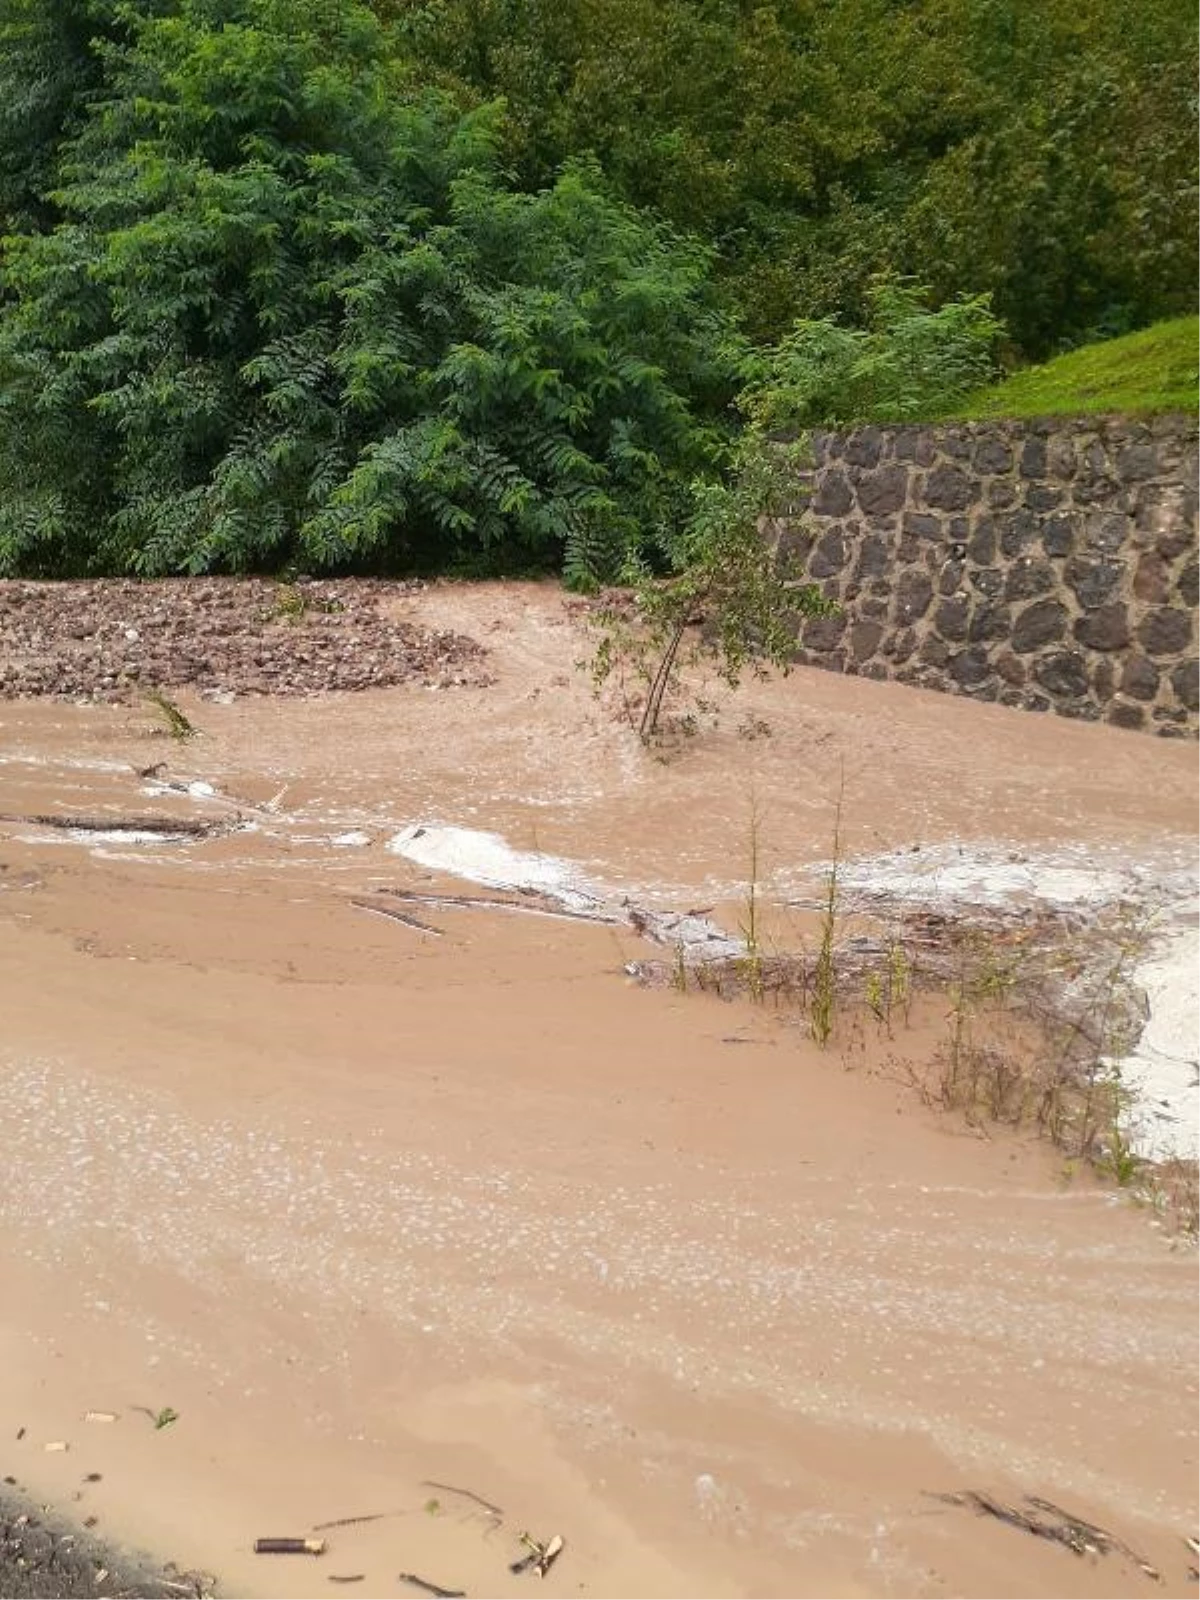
(1152, 371)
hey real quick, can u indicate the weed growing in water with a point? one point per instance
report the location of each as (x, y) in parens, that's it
(752, 962)
(173, 720)
(823, 997)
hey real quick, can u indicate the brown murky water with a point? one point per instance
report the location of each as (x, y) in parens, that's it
(369, 1207)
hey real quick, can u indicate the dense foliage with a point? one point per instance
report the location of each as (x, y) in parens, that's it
(1043, 151)
(289, 314)
(910, 362)
(465, 283)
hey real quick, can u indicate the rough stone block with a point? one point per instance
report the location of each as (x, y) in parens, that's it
(989, 622)
(1040, 624)
(1150, 580)
(981, 545)
(948, 489)
(1041, 498)
(1063, 674)
(1185, 681)
(970, 668)
(824, 633)
(864, 640)
(1106, 531)
(952, 618)
(1033, 458)
(1165, 631)
(913, 444)
(1136, 463)
(955, 443)
(1189, 584)
(1018, 530)
(922, 525)
(993, 454)
(864, 447)
(1011, 668)
(1028, 578)
(883, 491)
(1105, 628)
(829, 557)
(1139, 678)
(1058, 534)
(988, 581)
(950, 576)
(833, 496)
(1123, 715)
(901, 645)
(914, 594)
(1060, 457)
(1093, 580)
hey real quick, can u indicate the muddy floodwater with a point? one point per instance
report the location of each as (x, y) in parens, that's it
(431, 1226)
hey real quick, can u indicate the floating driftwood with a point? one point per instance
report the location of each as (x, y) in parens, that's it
(354, 1522)
(467, 1494)
(688, 931)
(397, 916)
(1045, 1520)
(180, 827)
(541, 1557)
(530, 902)
(434, 1589)
(289, 1547)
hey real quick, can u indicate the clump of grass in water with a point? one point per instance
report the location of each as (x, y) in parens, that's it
(752, 962)
(823, 998)
(175, 723)
(889, 989)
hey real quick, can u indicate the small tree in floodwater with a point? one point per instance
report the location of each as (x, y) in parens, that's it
(728, 600)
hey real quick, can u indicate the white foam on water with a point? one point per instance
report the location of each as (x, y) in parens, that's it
(1163, 1070)
(489, 860)
(982, 875)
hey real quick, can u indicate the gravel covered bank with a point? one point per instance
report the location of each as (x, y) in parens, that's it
(109, 638)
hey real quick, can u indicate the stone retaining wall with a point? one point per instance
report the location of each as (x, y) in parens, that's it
(1049, 564)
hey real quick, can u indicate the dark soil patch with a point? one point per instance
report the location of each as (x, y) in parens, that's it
(110, 639)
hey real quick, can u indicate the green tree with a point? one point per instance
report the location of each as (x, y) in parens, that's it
(48, 67)
(289, 312)
(726, 600)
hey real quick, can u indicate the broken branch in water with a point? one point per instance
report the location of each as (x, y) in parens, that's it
(541, 1556)
(434, 1589)
(467, 1494)
(531, 902)
(1079, 1536)
(193, 827)
(353, 1522)
(397, 916)
(1100, 1537)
